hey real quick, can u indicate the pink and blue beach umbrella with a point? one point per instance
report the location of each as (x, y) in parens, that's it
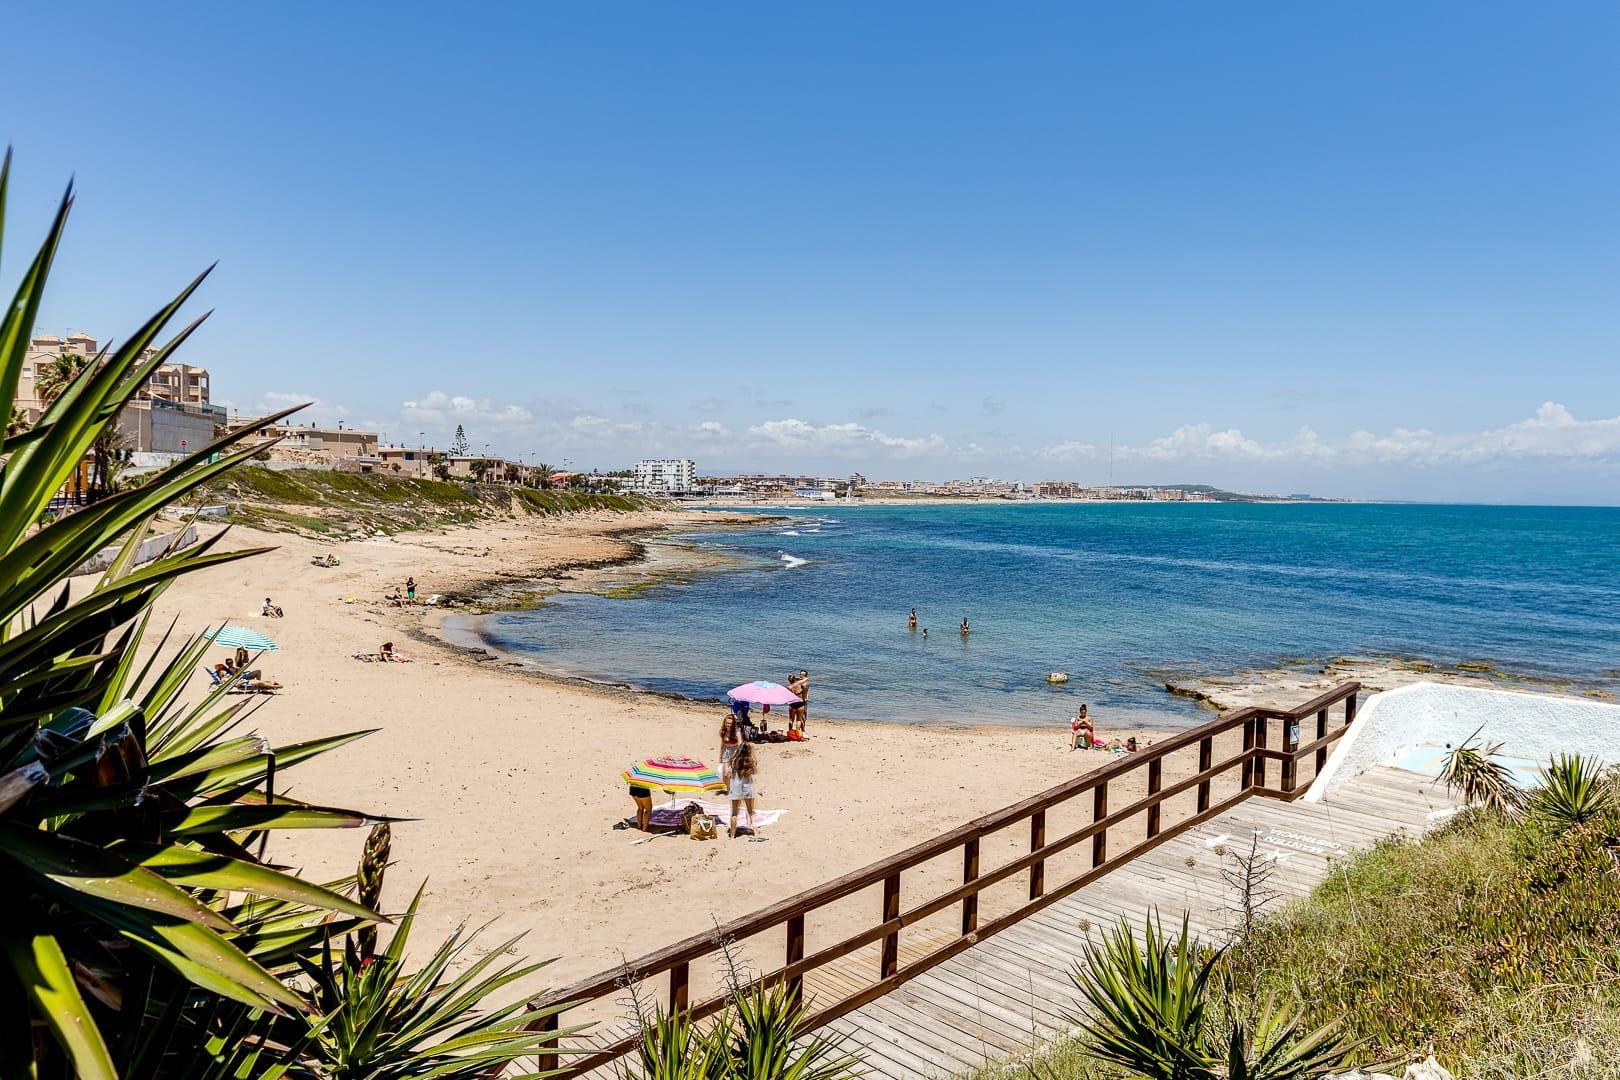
(761, 692)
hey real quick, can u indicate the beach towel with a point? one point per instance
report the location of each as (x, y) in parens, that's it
(720, 810)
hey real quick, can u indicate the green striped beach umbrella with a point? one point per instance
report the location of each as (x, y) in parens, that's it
(240, 637)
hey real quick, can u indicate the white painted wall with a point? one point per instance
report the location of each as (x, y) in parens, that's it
(1533, 726)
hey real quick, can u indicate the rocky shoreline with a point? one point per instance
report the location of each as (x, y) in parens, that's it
(1292, 682)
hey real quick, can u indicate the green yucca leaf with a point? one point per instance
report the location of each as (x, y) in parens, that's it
(203, 958)
(203, 870)
(73, 422)
(71, 864)
(17, 324)
(100, 612)
(282, 814)
(40, 966)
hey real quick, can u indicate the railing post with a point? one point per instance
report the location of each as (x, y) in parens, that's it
(970, 872)
(1037, 840)
(679, 976)
(1155, 783)
(547, 1061)
(1321, 733)
(1248, 762)
(1099, 811)
(1350, 710)
(1206, 758)
(1261, 735)
(891, 911)
(795, 953)
(1290, 744)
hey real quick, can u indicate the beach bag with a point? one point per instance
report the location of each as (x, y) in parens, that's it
(697, 824)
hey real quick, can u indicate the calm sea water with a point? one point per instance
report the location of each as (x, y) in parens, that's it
(1113, 594)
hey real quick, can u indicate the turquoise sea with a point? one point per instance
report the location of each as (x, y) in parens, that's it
(1114, 594)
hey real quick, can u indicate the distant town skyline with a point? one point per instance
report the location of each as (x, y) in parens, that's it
(1366, 252)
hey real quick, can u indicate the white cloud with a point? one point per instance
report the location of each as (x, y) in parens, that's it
(1066, 451)
(851, 438)
(318, 412)
(1553, 434)
(444, 410)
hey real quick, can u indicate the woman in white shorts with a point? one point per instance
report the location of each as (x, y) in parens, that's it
(740, 787)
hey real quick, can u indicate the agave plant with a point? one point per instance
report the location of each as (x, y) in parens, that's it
(769, 1043)
(378, 1022)
(1474, 771)
(135, 934)
(1573, 791)
(758, 1036)
(1151, 1007)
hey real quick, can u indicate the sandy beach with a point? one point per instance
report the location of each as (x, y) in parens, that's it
(510, 779)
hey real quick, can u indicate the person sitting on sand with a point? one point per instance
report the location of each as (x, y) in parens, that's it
(238, 667)
(911, 620)
(1130, 745)
(270, 611)
(1081, 730)
(740, 788)
(730, 739)
(643, 801)
(388, 655)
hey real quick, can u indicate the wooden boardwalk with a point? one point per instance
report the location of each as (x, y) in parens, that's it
(1009, 992)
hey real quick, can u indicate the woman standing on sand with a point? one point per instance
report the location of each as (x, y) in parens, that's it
(740, 788)
(730, 739)
(410, 589)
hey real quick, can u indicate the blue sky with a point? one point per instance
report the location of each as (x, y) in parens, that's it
(1368, 250)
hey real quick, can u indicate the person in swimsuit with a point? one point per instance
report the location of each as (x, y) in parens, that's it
(730, 739)
(1081, 731)
(804, 699)
(643, 801)
(911, 621)
(965, 628)
(410, 589)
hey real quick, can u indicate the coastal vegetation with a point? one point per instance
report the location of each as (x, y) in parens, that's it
(144, 930)
(330, 504)
(1493, 944)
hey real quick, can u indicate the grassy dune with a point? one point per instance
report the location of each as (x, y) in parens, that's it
(1492, 944)
(335, 504)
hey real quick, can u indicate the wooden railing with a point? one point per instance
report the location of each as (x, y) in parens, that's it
(1240, 770)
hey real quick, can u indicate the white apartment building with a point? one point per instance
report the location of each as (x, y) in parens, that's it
(665, 476)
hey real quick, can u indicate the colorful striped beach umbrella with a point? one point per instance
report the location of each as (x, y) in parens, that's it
(240, 637)
(761, 692)
(674, 774)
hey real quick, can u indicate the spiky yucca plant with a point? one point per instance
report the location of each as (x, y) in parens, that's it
(131, 937)
(379, 1022)
(758, 1036)
(1573, 791)
(1474, 771)
(1152, 1008)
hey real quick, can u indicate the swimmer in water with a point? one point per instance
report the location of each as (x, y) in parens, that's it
(911, 621)
(965, 629)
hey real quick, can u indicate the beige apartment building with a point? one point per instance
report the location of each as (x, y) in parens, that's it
(170, 416)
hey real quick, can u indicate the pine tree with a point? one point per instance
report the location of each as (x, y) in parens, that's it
(458, 445)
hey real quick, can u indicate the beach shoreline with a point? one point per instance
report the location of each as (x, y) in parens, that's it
(506, 779)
